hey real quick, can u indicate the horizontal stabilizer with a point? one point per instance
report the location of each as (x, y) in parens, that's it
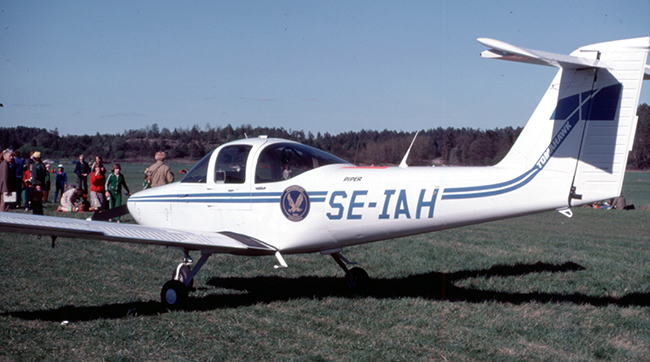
(646, 75)
(505, 51)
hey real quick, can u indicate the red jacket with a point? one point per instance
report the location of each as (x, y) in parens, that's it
(97, 182)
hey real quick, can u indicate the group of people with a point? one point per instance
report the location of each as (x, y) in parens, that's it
(617, 203)
(23, 181)
(97, 198)
(28, 183)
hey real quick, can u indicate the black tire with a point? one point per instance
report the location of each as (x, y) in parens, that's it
(357, 279)
(183, 273)
(173, 294)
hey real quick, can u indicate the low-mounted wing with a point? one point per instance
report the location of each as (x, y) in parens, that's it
(227, 243)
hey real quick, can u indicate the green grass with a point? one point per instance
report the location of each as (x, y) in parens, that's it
(541, 288)
(636, 189)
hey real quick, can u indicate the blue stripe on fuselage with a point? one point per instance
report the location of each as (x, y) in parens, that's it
(600, 105)
(233, 197)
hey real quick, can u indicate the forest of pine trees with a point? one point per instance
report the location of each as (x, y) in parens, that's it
(442, 146)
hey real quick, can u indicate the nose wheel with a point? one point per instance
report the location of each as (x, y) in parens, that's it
(355, 278)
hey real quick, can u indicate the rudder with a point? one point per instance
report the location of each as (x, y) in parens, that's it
(610, 123)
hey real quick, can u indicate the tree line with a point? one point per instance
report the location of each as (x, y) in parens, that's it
(441, 146)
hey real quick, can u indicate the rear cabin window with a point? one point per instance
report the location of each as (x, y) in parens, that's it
(230, 167)
(198, 173)
(283, 161)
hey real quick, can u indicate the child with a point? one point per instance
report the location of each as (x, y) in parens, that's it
(97, 190)
(61, 182)
(36, 195)
(147, 179)
(114, 183)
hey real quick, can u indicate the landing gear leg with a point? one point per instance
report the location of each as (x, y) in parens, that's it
(356, 278)
(174, 293)
(183, 270)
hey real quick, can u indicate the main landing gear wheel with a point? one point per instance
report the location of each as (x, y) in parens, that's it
(356, 278)
(173, 294)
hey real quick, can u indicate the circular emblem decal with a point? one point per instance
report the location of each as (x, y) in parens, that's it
(294, 203)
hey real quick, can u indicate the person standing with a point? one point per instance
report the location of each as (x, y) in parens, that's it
(114, 183)
(60, 182)
(48, 184)
(19, 169)
(39, 171)
(82, 169)
(97, 187)
(36, 197)
(98, 160)
(27, 182)
(5, 178)
(159, 173)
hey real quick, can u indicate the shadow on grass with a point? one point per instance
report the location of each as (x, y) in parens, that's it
(433, 286)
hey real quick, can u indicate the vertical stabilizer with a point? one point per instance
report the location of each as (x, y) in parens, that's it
(585, 123)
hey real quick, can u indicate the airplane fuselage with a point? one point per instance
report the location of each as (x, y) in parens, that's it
(339, 205)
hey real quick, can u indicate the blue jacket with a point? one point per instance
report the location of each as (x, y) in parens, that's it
(61, 178)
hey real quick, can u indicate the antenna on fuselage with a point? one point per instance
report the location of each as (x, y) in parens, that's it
(403, 163)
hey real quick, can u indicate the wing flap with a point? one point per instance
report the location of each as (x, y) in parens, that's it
(97, 230)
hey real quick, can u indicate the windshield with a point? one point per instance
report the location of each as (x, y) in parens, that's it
(199, 173)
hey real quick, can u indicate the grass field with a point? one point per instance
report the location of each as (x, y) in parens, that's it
(540, 288)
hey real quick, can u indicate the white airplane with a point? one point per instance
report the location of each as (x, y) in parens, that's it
(267, 196)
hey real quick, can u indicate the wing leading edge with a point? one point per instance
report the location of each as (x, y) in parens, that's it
(225, 243)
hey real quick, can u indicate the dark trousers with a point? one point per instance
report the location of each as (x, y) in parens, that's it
(83, 184)
(37, 207)
(59, 187)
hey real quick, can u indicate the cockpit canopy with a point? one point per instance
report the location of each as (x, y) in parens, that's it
(276, 162)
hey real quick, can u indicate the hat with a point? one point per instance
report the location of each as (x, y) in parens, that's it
(60, 165)
(37, 154)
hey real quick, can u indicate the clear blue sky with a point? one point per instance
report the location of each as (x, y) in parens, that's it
(330, 66)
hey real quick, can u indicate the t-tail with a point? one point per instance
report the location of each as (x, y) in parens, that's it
(585, 124)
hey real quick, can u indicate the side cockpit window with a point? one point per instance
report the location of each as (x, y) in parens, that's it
(283, 161)
(198, 173)
(230, 167)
